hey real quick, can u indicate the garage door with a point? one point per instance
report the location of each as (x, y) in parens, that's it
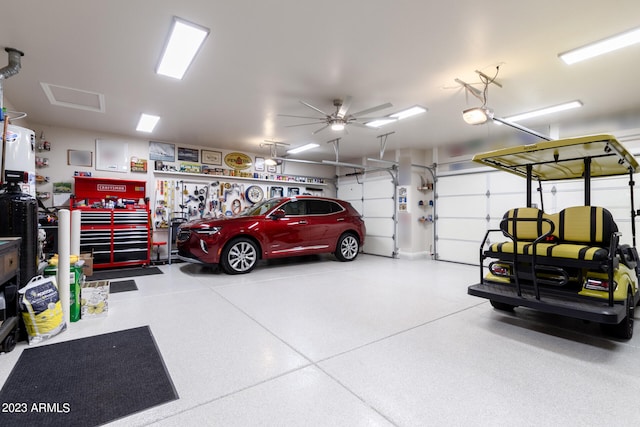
(469, 204)
(373, 195)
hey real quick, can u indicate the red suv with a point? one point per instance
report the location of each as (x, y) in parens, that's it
(275, 228)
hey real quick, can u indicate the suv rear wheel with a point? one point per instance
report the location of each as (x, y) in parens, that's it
(348, 247)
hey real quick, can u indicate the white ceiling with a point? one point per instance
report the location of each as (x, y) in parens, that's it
(263, 57)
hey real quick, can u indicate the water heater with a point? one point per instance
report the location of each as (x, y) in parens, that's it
(19, 158)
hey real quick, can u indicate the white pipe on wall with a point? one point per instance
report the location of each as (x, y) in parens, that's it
(75, 232)
(64, 267)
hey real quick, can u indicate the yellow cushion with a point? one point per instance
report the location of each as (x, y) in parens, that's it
(586, 224)
(525, 223)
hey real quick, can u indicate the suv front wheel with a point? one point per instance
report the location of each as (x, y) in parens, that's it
(239, 256)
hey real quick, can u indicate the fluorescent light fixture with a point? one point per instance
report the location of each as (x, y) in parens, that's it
(182, 46)
(543, 111)
(601, 47)
(147, 122)
(409, 112)
(302, 148)
(477, 115)
(380, 122)
(346, 165)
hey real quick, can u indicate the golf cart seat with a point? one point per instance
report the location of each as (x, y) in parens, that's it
(582, 233)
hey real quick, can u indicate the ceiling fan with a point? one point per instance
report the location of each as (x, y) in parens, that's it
(340, 118)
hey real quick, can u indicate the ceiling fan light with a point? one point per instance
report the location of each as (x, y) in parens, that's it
(337, 126)
(477, 115)
(270, 162)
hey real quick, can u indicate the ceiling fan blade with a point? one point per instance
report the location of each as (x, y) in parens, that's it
(301, 117)
(346, 103)
(372, 109)
(305, 124)
(314, 108)
(321, 129)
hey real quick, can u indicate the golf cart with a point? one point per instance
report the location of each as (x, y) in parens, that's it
(569, 263)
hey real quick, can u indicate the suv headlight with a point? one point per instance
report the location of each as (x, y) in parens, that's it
(208, 231)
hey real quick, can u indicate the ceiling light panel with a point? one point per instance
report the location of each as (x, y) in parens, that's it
(409, 112)
(601, 47)
(302, 148)
(147, 123)
(184, 42)
(544, 111)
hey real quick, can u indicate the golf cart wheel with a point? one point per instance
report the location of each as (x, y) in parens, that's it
(502, 306)
(624, 329)
(239, 256)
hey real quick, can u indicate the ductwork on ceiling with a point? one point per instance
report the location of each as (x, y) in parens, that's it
(10, 70)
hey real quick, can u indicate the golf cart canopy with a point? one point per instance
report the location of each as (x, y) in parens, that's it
(599, 155)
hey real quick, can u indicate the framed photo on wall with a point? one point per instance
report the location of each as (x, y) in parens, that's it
(188, 154)
(79, 158)
(211, 157)
(258, 165)
(162, 151)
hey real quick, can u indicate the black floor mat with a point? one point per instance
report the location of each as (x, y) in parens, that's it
(122, 273)
(86, 382)
(122, 286)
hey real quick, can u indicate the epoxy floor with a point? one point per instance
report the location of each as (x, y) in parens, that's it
(378, 341)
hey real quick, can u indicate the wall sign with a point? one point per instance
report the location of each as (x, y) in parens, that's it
(237, 161)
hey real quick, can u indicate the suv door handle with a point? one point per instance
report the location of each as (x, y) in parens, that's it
(302, 221)
(340, 219)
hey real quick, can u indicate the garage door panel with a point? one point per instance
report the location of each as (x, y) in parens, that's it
(458, 251)
(379, 226)
(378, 246)
(501, 203)
(372, 195)
(461, 206)
(467, 184)
(379, 207)
(462, 229)
(378, 188)
(501, 183)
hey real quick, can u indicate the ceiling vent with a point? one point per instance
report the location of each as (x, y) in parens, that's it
(74, 98)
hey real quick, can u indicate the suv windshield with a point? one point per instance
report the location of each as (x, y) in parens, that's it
(261, 208)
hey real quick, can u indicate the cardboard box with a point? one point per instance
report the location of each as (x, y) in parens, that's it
(87, 268)
(94, 299)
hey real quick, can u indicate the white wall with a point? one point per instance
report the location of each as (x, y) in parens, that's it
(63, 139)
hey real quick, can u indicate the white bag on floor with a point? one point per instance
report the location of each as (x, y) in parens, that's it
(41, 309)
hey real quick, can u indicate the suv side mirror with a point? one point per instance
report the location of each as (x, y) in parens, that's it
(278, 213)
